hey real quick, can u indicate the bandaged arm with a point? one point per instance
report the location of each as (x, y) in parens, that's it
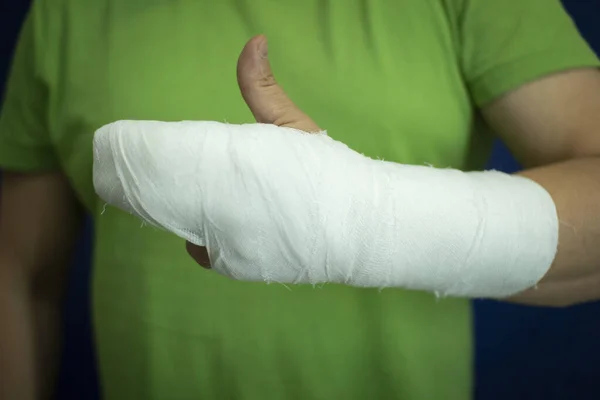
(277, 205)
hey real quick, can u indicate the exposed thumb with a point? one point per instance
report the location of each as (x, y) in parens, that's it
(265, 98)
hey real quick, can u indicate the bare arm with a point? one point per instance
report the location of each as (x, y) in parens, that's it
(553, 127)
(39, 220)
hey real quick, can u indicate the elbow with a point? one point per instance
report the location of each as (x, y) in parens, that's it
(43, 285)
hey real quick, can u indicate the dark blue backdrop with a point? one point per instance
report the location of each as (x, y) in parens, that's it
(521, 352)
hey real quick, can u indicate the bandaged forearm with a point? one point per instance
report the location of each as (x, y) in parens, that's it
(279, 205)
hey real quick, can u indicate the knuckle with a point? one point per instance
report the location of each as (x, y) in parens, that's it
(267, 80)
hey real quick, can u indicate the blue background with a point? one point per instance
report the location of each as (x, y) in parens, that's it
(521, 352)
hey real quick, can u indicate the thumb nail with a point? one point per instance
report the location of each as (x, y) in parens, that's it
(263, 48)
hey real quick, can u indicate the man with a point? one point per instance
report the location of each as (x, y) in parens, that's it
(416, 75)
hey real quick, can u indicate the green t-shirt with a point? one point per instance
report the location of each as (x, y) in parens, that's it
(398, 80)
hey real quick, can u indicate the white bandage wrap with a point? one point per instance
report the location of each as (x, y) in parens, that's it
(279, 205)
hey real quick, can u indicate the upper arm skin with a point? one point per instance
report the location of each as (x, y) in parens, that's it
(552, 119)
(39, 221)
(552, 126)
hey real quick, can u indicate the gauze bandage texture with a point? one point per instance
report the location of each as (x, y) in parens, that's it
(279, 205)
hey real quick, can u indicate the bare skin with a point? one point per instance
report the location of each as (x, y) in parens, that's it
(39, 223)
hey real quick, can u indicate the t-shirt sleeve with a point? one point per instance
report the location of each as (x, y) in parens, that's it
(505, 44)
(24, 135)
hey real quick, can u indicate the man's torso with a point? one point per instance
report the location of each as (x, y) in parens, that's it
(382, 77)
